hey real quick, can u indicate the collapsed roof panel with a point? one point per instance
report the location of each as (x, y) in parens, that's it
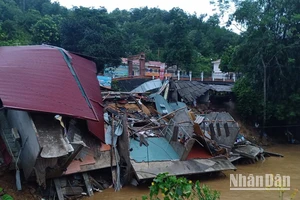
(223, 128)
(222, 88)
(148, 86)
(148, 170)
(48, 79)
(159, 149)
(191, 90)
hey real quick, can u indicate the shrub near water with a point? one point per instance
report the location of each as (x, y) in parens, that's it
(173, 188)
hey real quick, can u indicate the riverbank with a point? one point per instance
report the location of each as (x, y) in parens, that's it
(288, 165)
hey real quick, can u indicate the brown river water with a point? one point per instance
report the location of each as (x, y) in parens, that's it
(288, 165)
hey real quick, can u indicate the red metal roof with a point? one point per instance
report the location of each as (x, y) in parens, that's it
(38, 78)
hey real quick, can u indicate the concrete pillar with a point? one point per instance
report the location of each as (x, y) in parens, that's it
(190, 74)
(224, 75)
(201, 76)
(234, 77)
(130, 68)
(212, 76)
(142, 64)
(178, 75)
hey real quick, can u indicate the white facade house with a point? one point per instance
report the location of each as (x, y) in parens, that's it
(218, 74)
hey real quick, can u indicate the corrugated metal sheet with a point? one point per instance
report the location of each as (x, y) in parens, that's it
(149, 85)
(222, 88)
(199, 119)
(86, 71)
(159, 149)
(191, 90)
(162, 106)
(148, 170)
(37, 78)
(222, 118)
(177, 105)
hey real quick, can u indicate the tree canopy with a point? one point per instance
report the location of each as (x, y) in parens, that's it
(268, 45)
(174, 37)
(270, 41)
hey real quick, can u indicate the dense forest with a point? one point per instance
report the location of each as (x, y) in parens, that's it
(266, 52)
(174, 36)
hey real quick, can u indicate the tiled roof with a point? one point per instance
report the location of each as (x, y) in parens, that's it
(191, 90)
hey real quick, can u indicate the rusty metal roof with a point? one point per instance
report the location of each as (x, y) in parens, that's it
(49, 79)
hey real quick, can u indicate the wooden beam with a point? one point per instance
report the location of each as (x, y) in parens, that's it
(87, 183)
(71, 157)
(72, 190)
(58, 189)
(96, 183)
(123, 148)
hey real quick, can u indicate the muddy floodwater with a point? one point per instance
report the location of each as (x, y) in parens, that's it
(288, 165)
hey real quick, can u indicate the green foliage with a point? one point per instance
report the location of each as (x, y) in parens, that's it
(270, 39)
(174, 36)
(227, 64)
(46, 31)
(173, 188)
(202, 64)
(249, 101)
(93, 32)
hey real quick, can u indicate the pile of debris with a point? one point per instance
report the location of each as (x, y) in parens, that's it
(165, 135)
(58, 128)
(51, 117)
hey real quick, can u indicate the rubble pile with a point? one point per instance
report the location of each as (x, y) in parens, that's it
(74, 140)
(167, 135)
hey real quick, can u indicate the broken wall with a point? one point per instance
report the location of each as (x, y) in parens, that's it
(31, 148)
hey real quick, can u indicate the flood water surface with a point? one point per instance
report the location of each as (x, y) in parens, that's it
(288, 165)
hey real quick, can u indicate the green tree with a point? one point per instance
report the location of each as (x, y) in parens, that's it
(271, 42)
(94, 33)
(46, 31)
(179, 48)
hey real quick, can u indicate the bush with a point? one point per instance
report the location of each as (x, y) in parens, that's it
(173, 188)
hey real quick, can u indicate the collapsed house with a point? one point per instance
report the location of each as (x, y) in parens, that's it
(51, 113)
(54, 121)
(164, 135)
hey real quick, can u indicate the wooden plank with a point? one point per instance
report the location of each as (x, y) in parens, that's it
(273, 154)
(58, 189)
(71, 157)
(72, 190)
(87, 184)
(95, 183)
(198, 130)
(123, 148)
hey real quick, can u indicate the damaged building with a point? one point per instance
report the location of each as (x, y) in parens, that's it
(51, 113)
(55, 121)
